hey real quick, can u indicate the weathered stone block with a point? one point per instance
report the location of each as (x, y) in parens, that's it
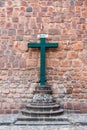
(2, 3)
(29, 9)
(11, 32)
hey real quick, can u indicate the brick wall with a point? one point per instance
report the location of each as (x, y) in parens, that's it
(65, 21)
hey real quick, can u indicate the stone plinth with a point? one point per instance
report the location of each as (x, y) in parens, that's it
(43, 95)
(42, 107)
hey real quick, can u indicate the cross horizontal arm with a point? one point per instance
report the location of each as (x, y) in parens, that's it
(51, 45)
(33, 45)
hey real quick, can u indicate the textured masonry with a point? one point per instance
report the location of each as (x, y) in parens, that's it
(65, 21)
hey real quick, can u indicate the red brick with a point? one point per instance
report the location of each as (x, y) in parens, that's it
(15, 64)
(79, 3)
(78, 9)
(21, 46)
(69, 105)
(61, 46)
(83, 27)
(72, 54)
(77, 106)
(67, 47)
(54, 63)
(78, 46)
(6, 91)
(84, 14)
(2, 111)
(84, 105)
(8, 111)
(83, 110)
(85, 3)
(65, 63)
(50, 9)
(8, 25)
(54, 32)
(69, 90)
(15, 19)
(22, 63)
(62, 69)
(23, 3)
(77, 63)
(61, 55)
(9, 10)
(12, 106)
(31, 63)
(15, 111)
(77, 90)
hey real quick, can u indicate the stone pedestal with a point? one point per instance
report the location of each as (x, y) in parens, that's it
(42, 107)
(43, 95)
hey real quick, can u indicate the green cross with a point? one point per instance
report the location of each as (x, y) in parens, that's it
(42, 45)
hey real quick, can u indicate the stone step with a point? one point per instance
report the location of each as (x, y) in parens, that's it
(43, 108)
(42, 123)
(37, 106)
(42, 113)
(27, 118)
(42, 103)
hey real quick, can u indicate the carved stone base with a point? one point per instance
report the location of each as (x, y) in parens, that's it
(43, 94)
(43, 107)
(42, 98)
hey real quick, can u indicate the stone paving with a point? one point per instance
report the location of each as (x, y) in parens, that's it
(43, 127)
(77, 122)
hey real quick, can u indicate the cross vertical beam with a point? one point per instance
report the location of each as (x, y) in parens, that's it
(42, 45)
(42, 63)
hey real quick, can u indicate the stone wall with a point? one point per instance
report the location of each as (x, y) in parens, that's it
(65, 21)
